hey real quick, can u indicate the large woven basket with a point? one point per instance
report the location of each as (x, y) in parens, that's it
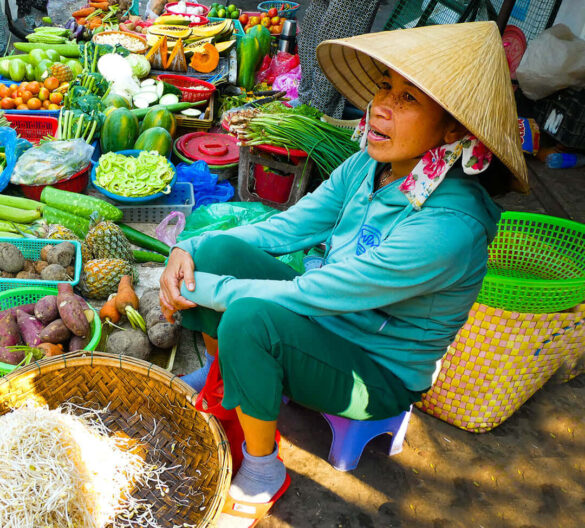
(146, 403)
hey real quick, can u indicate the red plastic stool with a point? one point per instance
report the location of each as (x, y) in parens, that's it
(351, 436)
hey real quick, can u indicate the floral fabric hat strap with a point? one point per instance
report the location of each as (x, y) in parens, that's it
(431, 170)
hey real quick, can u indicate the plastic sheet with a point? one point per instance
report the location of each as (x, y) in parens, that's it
(167, 232)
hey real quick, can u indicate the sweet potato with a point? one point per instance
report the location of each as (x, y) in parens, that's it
(9, 334)
(78, 343)
(132, 343)
(11, 258)
(55, 332)
(46, 309)
(54, 272)
(30, 328)
(71, 311)
(62, 254)
(51, 349)
(12, 357)
(26, 308)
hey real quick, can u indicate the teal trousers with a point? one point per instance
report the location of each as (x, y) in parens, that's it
(266, 350)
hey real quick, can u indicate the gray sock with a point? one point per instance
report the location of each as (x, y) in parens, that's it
(258, 478)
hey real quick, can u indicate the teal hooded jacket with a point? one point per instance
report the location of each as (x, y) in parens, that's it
(396, 281)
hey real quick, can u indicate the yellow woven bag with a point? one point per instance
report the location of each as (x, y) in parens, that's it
(498, 360)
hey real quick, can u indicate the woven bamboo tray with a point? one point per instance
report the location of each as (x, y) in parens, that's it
(148, 403)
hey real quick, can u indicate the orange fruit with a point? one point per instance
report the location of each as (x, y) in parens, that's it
(43, 94)
(4, 91)
(13, 87)
(7, 103)
(22, 107)
(51, 83)
(34, 87)
(18, 101)
(34, 103)
(46, 104)
(54, 106)
(56, 97)
(26, 95)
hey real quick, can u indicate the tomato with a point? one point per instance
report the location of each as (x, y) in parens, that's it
(4, 91)
(53, 106)
(18, 101)
(265, 22)
(34, 103)
(43, 94)
(277, 30)
(13, 88)
(272, 12)
(244, 19)
(34, 87)
(22, 107)
(263, 15)
(46, 104)
(254, 20)
(274, 30)
(56, 97)
(7, 103)
(26, 95)
(51, 83)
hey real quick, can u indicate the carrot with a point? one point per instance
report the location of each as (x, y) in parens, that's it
(94, 23)
(50, 349)
(109, 312)
(80, 21)
(127, 303)
(83, 12)
(100, 5)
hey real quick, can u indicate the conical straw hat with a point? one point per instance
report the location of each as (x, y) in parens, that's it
(462, 67)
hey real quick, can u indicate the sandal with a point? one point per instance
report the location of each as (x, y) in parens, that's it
(253, 510)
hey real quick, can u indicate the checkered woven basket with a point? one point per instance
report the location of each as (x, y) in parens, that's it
(499, 359)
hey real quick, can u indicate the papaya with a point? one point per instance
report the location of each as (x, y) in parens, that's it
(157, 139)
(159, 116)
(116, 100)
(119, 131)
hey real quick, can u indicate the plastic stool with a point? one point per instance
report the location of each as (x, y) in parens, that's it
(351, 436)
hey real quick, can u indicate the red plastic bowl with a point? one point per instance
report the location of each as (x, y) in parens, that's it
(77, 184)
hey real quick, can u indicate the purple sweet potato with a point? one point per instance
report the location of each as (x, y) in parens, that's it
(46, 309)
(11, 357)
(55, 332)
(26, 308)
(78, 343)
(9, 334)
(71, 312)
(30, 328)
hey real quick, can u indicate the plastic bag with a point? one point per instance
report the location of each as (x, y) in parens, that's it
(206, 189)
(167, 232)
(289, 82)
(13, 148)
(154, 8)
(282, 63)
(52, 162)
(554, 60)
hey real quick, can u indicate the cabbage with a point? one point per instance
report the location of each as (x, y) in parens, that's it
(140, 65)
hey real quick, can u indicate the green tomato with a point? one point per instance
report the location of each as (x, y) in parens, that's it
(37, 55)
(17, 70)
(52, 55)
(75, 66)
(30, 72)
(5, 68)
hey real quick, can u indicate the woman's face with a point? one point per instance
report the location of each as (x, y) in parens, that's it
(404, 122)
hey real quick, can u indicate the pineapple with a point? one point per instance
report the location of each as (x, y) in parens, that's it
(100, 277)
(62, 72)
(107, 241)
(59, 232)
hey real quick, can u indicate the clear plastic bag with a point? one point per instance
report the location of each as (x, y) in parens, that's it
(52, 162)
(554, 60)
(167, 232)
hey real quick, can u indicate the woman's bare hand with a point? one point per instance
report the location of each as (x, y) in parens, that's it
(180, 267)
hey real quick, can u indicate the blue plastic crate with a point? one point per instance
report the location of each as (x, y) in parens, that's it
(31, 249)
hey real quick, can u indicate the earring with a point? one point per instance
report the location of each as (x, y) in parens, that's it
(361, 131)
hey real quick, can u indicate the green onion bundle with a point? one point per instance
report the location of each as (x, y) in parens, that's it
(327, 145)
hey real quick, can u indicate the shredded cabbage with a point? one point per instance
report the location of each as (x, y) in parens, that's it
(148, 174)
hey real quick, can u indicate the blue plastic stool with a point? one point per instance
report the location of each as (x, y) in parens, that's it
(351, 436)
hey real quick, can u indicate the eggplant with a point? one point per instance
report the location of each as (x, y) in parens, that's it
(78, 33)
(71, 23)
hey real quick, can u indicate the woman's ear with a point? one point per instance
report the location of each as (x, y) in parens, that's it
(454, 131)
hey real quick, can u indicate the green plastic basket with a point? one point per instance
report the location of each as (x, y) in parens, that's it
(31, 249)
(20, 296)
(536, 264)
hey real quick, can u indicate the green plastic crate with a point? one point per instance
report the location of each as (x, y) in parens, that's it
(536, 264)
(20, 296)
(31, 249)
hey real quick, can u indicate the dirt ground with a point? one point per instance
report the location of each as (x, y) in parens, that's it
(527, 473)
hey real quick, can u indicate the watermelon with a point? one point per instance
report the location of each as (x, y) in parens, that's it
(116, 100)
(156, 138)
(119, 132)
(158, 116)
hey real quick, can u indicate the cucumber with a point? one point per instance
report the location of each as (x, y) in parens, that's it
(191, 112)
(141, 102)
(148, 82)
(68, 50)
(160, 89)
(148, 256)
(77, 224)
(80, 204)
(141, 112)
(20, 203)
(169, 99)
(144, 241)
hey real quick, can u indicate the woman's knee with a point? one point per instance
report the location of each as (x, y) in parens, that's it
(217, 254)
